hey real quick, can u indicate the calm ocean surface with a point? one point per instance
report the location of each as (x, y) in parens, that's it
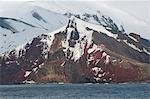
(75, 91)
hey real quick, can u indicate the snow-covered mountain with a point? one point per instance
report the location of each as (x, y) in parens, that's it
(60, 43)
(40, 15)
(130, 22)
(17, 29)
(78, 52)
(44, 17)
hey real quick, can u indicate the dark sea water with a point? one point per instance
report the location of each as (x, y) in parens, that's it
(75, 91)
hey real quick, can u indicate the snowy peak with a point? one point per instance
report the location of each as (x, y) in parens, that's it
(46, 19)
(99, 19)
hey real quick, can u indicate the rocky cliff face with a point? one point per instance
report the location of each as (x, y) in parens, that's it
(79, 52)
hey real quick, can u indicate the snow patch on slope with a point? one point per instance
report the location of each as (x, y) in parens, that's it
(133, 38)
(27, 73)
(132, 46)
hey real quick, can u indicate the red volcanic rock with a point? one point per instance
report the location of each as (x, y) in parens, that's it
(129, 74)
(14, 67)
(99, 68)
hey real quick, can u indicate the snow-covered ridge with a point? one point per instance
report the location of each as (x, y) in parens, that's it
(133, 46)
(81, 25)
(75, 25)
(24, 26)
(78, 36)
(80, 32)
(119, 16)
(106, 25)
(100, 19)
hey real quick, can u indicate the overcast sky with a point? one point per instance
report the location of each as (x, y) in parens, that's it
(139, 8)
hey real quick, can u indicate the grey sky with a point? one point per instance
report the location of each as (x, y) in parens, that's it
(140, 9)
